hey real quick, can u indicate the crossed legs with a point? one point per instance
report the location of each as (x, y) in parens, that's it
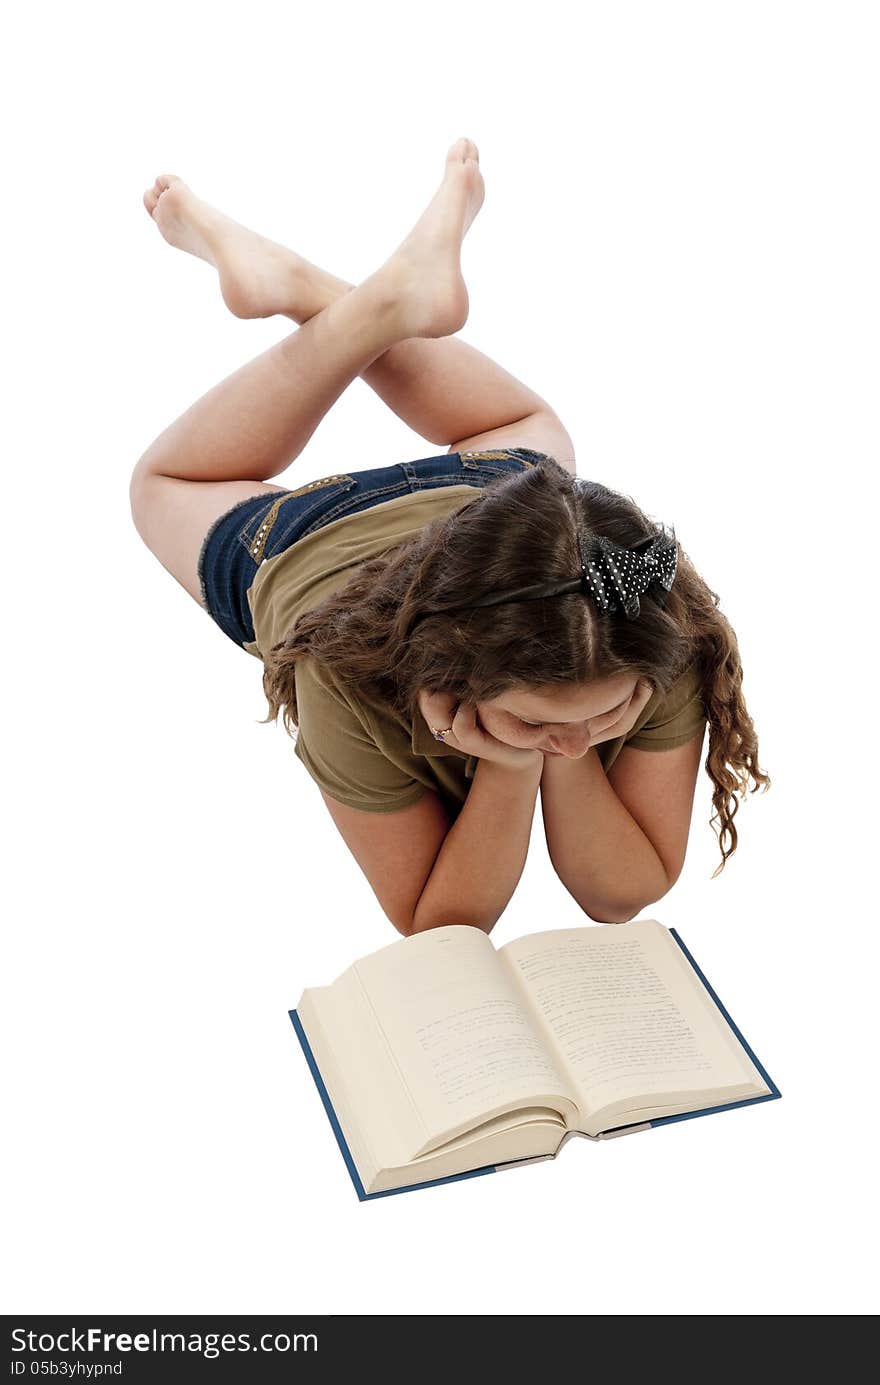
(394, 329)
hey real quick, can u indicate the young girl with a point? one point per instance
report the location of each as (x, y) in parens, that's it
(451, 635)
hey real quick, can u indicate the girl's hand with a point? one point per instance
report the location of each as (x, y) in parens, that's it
(624, 721)
(442, 710)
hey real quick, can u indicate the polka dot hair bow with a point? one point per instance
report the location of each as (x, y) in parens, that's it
(617, 576)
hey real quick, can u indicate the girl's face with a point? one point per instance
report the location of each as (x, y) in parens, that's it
(557, 719)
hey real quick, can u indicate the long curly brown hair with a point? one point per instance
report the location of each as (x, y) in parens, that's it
(519, 530)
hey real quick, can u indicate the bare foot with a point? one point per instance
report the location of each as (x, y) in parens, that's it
(258, 277)
(424, 272)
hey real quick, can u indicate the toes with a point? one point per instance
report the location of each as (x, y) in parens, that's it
(462, 150)
(164, 183)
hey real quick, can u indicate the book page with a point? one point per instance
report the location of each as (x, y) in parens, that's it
(459, 1031)
(627, 1018)
(381, 1124)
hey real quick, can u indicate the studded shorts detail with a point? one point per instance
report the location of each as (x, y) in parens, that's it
(257, 548)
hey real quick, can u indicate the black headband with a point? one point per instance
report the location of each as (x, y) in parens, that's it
(616, 577)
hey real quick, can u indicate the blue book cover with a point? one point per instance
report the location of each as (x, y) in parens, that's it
(364, 1196)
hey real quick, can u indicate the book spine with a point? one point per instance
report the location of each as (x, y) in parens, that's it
(520, 1163)
(623, 1130)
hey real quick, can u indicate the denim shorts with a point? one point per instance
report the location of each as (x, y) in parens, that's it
(264, 526)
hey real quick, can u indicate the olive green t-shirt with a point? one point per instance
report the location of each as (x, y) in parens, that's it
(357, 748)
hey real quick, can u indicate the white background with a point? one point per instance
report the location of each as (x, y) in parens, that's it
(678, 249)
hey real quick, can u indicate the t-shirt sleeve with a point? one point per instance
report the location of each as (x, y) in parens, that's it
(673, 718)
(339, 752)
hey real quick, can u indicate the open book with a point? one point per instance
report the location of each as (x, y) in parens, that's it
(441, 1056)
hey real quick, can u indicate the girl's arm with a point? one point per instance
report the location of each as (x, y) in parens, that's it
(481, 860)
(598, 850)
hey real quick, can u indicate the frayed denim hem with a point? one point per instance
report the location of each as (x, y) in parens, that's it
(200, 567)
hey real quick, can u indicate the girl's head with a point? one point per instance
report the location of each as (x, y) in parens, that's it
(557, 661)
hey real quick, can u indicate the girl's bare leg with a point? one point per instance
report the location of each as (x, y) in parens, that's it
(444, 389)
(251, 425)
